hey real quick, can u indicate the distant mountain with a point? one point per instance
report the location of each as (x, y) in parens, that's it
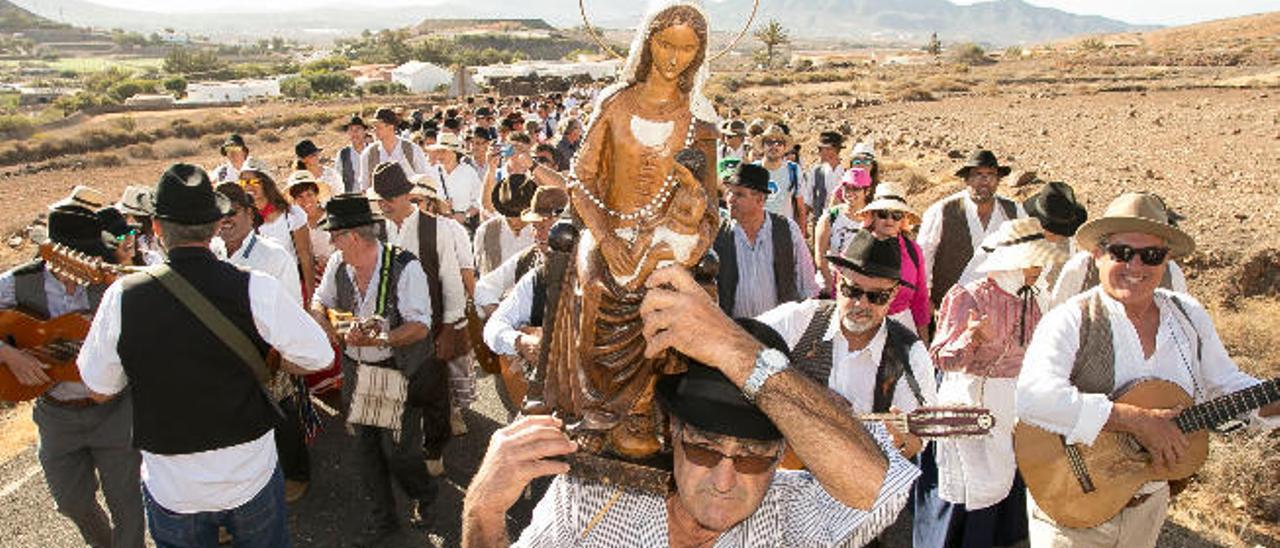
(16, 19)
(997, 22)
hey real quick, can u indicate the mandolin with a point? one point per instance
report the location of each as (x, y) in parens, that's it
(55, 343)
(924, 422)
(1083, 486)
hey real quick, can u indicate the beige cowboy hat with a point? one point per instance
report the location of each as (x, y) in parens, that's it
(548, 202)
(1019, 244)
(83, 196)
(447, 141)
(427, 186)
(137, 201)
(1136, 212)
(890, 197)
(302, 178)
(771, 134)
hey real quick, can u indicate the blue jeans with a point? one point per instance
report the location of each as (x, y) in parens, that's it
(259, 523)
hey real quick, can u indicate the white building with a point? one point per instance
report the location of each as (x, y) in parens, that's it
(596, 70)
(421, 77)
(235, 91)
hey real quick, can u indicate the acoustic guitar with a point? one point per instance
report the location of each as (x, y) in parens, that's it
(924, 422)
(55, 343)
(1083, 486)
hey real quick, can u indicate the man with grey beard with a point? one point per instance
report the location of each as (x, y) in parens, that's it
(953, 227)
(875, 363)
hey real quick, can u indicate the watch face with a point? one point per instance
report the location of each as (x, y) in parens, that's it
(774, 358)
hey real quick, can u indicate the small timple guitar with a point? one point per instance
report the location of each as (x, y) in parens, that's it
(79, 267)
(925, 422)
(55, 343)
(1083, 486)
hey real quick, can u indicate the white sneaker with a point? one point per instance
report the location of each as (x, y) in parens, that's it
(435, 467)
(457, 423)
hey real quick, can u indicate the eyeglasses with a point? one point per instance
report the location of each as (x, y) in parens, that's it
(886, 215)
(774, 143)
(250, 181)
(707, 457)
(1150, 256)
(853, 292)
(861, 161)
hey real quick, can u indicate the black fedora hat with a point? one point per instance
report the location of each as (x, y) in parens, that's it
(185, 196)
(79, 229)
(704, 398)
(305, 148)
(871, 256)
(513, 195)
(1056, 207)
(348, 211)
(233, 140)
(389, 181)
(982, 158)
(751, 176)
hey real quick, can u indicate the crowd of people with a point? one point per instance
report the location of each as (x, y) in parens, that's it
(359, 274)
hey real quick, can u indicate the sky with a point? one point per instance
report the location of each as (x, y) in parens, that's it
(1158, 12)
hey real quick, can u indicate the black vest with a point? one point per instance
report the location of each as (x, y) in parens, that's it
(812, 357)
(784, 263)
(531, 260)
(29, 293)
(348, 160)
(191, 393)
(955, 248)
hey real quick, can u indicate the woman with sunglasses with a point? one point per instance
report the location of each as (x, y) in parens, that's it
(124, 236)
(284, 223)
(839, 223)
(864, 157)
(984, 328)
(889, 216)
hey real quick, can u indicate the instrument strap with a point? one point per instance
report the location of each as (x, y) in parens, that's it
(217, 322)
(384, 279)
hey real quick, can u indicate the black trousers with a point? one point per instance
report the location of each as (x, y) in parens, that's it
(291, 443)
(436, 432)
(383, 457)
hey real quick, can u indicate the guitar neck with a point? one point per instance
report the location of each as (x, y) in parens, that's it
(1225, 408)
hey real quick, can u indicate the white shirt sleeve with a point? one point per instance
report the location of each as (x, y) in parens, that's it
(455, 295)
(923, 371)
(99, 360)
(327, 292)
(284, 270)
(1177, 280)
(413, 297)
(1046, 397)
(286, 326)
(362, 166)
(8, 291)
(790, 319)
(420, 162)
(491, 286)
(462, 246)
(503, 328)
(1071, 279)
(929, 238)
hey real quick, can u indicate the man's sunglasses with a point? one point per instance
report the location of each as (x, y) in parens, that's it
(886, 215)
(707, 457)
(1150, 256)
(853, 292)
(131, 232)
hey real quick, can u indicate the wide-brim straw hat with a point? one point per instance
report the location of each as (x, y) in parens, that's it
(426, 185)
(447, 141)
(890, 197)
(137, 201)
(1140, 212)
(302, 178)
(1019, 244)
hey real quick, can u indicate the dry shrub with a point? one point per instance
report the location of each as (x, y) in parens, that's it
(105, 159)
(140, 151)
(175, 148)
(910, 93)
(269, 136)
(1251, 333)
(912, 179)
(213, 142)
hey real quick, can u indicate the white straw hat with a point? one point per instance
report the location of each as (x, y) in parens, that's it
(1019, 244)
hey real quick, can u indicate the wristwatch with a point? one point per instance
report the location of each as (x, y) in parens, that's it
(769, 362)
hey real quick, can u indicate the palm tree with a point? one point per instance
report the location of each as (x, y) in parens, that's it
(772, 35)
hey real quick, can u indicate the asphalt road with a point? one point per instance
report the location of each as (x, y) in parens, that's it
(330, 516)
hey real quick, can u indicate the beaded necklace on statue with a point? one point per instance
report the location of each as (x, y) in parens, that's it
(643, 212)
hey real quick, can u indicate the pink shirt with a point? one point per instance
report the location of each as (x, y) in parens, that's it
(1000, 357)
(916, 299)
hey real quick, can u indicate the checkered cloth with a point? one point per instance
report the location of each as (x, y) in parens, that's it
(378, 398)
(795, 512)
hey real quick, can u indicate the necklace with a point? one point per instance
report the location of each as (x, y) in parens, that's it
(643, 212)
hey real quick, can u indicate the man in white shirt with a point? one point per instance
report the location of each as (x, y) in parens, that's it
(387, 146)
(1125, 330)
(821, 181)
(246, 249)
(201, 415)
(238, 159)
(953, 228)
(369, 279)
(409, 229)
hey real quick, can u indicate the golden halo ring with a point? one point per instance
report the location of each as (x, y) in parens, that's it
(599, 40)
